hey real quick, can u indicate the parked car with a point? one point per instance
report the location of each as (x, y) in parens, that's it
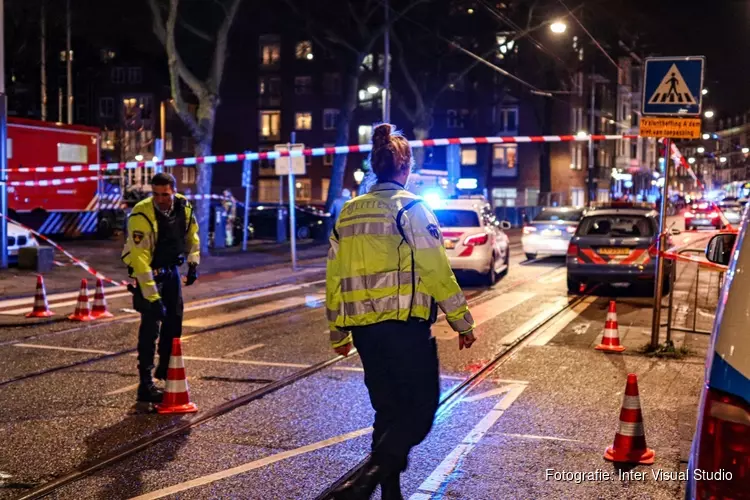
(474, 237)
(721, 445)
(18, 238)
(612, 246)
(310, 223)
(550, 231)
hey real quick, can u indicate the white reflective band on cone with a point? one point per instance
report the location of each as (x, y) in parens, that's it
(631, 429)
(176, 362)
(177, 386)
(631, 402)
(610, 333)
(611, 316)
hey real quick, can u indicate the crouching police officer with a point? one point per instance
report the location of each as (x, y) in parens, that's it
(162, 232)
(387, 272)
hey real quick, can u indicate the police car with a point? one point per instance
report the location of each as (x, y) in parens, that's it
(612, 245)
(719, 463)
(474, 237)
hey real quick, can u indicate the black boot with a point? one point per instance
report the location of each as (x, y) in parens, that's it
(149, 393)
(362, 485)
(390, 487)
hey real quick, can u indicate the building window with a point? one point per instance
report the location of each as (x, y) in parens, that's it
(577, 197)
(508, 120)
(364, 134)
(303, 121)
(504, 160)
(456, 82)
(118, 75)
(71, 153)
(504, 197)
(135, 75)
(270, 52)
(332, 83)
(109, 139)
(303, 50)
(330, 117)
(325, 183)
(303, 85)
(268, 190)
(303, 190)
(106, 107)
(328, 159)
(453, 119)
(188, 175)
(270, 125)
(576, 156)
(185, 144)
(262, 85)
(169, 143)
(469, 156)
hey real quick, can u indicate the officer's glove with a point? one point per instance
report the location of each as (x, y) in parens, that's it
(466, 339)
(192, 274)
(158, 309)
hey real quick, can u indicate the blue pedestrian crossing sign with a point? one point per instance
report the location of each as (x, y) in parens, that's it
(673, 86)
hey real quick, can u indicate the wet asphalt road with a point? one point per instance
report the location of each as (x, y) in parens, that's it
(294, 442)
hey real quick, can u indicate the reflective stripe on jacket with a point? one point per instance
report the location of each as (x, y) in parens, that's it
(143, 232)
(381, 270)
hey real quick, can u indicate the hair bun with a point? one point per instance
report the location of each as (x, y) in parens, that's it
(381, 136)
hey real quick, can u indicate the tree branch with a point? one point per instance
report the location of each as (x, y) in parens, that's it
(195, 31)
(419, 107)
(220, 51)
(175, 74)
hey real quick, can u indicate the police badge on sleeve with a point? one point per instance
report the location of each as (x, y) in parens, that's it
(434, 231)
(137, 237)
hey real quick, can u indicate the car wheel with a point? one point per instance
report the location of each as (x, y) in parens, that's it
(106, 226)
(530, 256)
(303, 232)
(491, 277)
(573, 286)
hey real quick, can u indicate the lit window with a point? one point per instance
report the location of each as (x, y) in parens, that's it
(270, 52)
(364, 134)
(504, 160)
(469, 156)
(368, 62)
(330, 117)
(261, 86)
(303, 85)
(504, 197)
(169, 143)
(109, 138)
(304, 50)
(303, 121)
(270, 125)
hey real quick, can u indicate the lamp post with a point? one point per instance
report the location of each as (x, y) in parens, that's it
(3, 146)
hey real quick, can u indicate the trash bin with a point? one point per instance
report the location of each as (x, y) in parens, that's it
(39, 259)
(281, 216)
(220, 234)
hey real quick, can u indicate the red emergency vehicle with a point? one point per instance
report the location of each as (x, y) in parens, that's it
(70, 208)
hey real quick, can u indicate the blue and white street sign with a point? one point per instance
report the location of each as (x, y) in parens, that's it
(673, 85)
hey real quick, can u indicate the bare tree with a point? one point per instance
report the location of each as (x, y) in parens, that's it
(206, 91)
(349, 30)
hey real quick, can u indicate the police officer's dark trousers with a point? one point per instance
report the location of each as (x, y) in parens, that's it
(402, 376)
(170, 289)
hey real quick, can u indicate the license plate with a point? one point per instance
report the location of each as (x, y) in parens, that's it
(551, 232)
(450, 245)
(613, 251)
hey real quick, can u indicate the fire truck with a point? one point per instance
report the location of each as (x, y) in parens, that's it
(80, 202)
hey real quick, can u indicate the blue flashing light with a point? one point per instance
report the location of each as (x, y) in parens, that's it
(467, 184)
(433, 198)
(628, 184)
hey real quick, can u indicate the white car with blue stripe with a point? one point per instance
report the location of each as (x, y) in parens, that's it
(720, 455)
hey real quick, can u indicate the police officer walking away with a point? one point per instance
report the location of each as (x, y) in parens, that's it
(387, 272)
(162, 232)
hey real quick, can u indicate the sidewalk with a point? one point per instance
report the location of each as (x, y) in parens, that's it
(104, 257)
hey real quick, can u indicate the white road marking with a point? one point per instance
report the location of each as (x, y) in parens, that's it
(534, 436)
(535, 320)
(441, 474)
(547, 334)
(582, 328)
(53, 297)
(24, 310)
(487, 394)
(127, 388)
(485, 312)
(246, 349)
(250, 312)
(548, 280)
(58, 348)
(256, 464)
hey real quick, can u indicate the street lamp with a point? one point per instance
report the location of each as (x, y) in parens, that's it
(691, 160)
(745, 150)
(373, 89)
(359, 176)
(723, 159)
(704, 91)
(582, 134)
(706, 137)
(558, 27)
(709, 114)
(701, 149)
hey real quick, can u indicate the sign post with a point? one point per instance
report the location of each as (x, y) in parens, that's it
(672, 87)
(291, 166)
(247, 181)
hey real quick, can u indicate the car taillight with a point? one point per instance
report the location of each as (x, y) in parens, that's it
(476, 240)
(723, 460)
(688, 214)
(572, 250)
(529, 229)
(571, 229)
(714, 215)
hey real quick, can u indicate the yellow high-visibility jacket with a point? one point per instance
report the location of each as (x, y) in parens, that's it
(387, 262)
(143, 232)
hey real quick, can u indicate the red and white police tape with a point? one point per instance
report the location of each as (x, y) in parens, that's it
(56, 182)
(334, 150)
(80, 263)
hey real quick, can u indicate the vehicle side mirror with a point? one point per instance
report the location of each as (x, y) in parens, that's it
(505, 225)
(719, 248)
(675, 231)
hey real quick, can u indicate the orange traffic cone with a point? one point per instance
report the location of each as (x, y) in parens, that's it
(82, 312)
(100, 302)
(176, 395)
(41, 308)
(630, 439)
(611, 338)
